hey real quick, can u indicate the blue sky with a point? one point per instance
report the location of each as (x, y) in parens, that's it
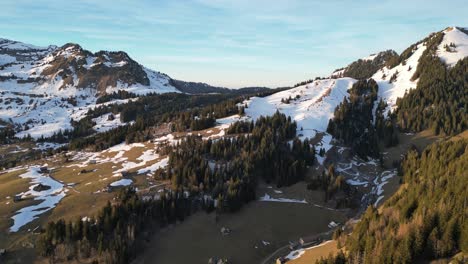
(233, 43)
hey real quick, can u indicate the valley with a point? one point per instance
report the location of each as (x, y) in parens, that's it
(96, 147)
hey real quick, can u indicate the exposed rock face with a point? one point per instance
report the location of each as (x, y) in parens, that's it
(83, 69)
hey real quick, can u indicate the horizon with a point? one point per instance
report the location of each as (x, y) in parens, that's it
(234, 45)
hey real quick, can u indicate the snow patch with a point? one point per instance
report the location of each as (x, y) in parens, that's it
(268, 198)
(49, 198)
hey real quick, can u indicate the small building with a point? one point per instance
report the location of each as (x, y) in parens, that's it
(44, 169)
(225, 231)
(281, 260)
(108, 189)
(17, 198)
(301, 242)
(2, 252)
(294, 245)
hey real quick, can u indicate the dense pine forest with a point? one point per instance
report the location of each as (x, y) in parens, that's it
(440, 99)
(365, 68)
(116, 233)
(425, 220)
(353, 122)
(238, 162)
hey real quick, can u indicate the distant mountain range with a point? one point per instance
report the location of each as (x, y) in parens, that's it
(43, 88)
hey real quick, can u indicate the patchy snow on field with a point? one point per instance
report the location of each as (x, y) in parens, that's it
(122, 182)
(298, 253)
(268, 198)
(124, 147)
(160, 164)
(169, 138)
(83, 159)
(48, 145)
(460, 50)
(49, 198)
(147, 156)
(295, 254)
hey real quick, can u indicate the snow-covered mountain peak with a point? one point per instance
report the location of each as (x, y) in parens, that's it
(42, 88)
(454, 46)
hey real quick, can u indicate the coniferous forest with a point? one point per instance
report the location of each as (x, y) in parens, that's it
(439, 101)
(425, 220)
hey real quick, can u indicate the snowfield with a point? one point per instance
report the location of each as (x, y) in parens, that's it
(104, 123)
(312, 110)
(390, 91)
(460, 40)
(49, 198)
(122, 182)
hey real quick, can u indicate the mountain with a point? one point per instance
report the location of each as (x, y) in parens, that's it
(203, 88)
(44, 88)
(329, 147)
(314, 103)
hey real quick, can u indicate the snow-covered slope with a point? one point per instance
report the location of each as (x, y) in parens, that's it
(41, 88)
(317, 100)
(313, 108)
(453, 47)
(390, 89)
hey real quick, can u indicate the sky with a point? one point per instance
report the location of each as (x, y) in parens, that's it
(233, 43)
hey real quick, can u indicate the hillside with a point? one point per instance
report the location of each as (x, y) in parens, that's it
(98, 148)
(45, 89)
